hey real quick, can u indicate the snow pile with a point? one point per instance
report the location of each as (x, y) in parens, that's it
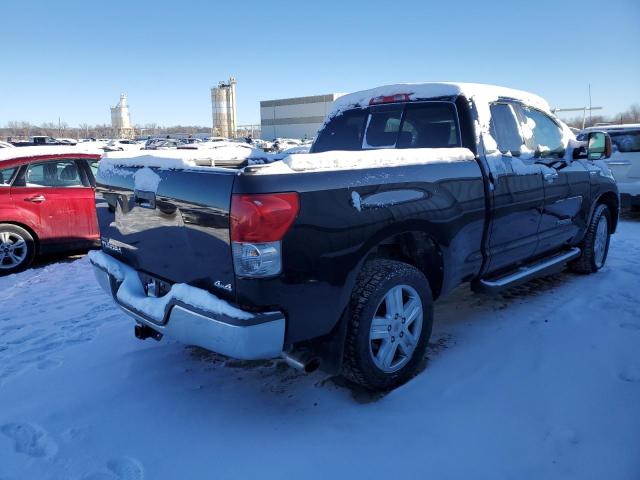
(298, 149)
(131, 292)
(205, 155)
(340, 160)
(542, 383)
(146, 180)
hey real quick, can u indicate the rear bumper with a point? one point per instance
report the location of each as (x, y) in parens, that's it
(258, 337)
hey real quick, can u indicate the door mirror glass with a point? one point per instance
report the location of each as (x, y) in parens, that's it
(598, 146)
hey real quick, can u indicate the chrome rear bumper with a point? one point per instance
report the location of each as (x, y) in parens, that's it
(259, 337)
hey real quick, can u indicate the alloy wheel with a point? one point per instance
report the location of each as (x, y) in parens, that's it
(13, 250)
(395, 328)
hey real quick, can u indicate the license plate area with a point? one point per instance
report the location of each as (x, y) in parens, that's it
(153, 286)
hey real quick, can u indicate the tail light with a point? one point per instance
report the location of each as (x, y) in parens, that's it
(258, 224)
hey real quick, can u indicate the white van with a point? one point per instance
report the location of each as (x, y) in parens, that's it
(624, 161)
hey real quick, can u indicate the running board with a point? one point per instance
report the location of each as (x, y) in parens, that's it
(545, 266)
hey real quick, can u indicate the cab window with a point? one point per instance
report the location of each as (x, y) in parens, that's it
(541, 133)
(383, 126)
(429, 125)
(504, 129)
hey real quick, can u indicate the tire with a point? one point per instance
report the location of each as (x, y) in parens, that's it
(17, 248)
(595, 245)
(365, 362)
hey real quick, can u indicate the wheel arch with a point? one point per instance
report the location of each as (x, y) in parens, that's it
(416, 248)
(611, 200)
(32, 232)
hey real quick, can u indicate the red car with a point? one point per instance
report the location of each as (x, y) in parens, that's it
(46, 203)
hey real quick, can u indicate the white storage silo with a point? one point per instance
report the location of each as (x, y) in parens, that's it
(223, 105)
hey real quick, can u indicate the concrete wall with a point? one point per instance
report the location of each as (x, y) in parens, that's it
(298, 117)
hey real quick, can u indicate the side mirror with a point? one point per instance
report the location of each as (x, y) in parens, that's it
(598, 145)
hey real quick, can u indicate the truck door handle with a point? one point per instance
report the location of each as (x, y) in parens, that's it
(36, 199)
(550, 176)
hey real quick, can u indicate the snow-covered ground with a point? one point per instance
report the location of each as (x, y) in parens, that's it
(540, 383)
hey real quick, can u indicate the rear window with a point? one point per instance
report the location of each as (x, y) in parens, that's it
(383, 126)
(343, 132)
(400, 125)
(429, 125)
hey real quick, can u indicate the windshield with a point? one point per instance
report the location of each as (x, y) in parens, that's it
(399, 125)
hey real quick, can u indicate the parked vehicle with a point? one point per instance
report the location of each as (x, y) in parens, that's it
(6, 145)
(281, 144)
(46, 203)
(43, 140)
(161, 144)
(624, 161)
(121, 145)
(335, 258)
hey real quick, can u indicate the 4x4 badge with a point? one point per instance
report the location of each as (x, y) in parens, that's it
(219, 284)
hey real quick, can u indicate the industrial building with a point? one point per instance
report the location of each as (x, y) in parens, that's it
(120, 120)
(299, 117)
(223, 106)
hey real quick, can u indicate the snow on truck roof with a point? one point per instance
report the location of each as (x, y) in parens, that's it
(415, 91)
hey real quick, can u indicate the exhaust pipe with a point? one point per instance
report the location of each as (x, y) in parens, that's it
(142, 332)
(302, 360)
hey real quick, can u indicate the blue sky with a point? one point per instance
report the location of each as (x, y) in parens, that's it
(71, 59)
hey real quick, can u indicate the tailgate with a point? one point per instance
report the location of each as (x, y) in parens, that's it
(170, 224)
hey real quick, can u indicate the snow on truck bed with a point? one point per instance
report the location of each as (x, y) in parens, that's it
(390, 157)
(276, 164)
(200, 157)
(542, 382)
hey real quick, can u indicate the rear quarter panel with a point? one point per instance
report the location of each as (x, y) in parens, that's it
(345, 214)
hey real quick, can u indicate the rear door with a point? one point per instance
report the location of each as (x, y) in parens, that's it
(517, 194)
(60, 197)
(567, 187)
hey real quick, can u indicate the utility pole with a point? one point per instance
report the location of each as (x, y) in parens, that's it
(590, 120)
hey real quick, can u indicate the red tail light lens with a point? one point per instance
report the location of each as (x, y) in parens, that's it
(263, 217)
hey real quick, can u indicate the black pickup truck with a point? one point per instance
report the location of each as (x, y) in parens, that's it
(334, 258)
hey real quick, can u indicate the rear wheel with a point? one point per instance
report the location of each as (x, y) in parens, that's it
(17, 248)
(390, 319)
(595, 245)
